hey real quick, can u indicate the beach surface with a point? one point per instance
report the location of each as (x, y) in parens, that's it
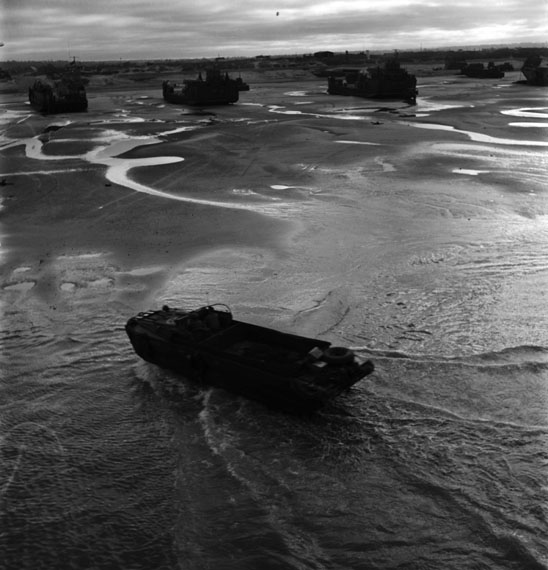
(415, 234)
(294, 200)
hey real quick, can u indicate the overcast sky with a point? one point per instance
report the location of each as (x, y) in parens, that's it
(174, 29)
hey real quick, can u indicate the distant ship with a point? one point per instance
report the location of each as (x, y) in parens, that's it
(390, 81)
(215, 89)
(535, 71)
(62, 94)
(479, 71)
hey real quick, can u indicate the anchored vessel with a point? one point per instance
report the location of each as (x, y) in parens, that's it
(535, 71)
(215, 89)
(64, 94)
(390, 81)
(279, 369)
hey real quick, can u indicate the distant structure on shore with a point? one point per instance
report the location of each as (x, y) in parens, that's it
(61, 93)
(215, 89)
(389, 81)
(535, 71)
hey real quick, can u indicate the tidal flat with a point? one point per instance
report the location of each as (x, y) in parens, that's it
(416, 234)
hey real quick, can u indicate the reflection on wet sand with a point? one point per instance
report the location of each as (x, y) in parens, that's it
(535, 125)
(439, 277)
(478, 137)
(118, 168)
(529, 112)
(469, 171)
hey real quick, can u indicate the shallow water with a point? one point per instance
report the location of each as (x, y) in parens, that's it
(423, 250)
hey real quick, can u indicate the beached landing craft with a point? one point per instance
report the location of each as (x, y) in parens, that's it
(279, 369)
(215, 89)
(390, 81)
(535, 71)
(242, 85)
(479, 71)
(63, 94)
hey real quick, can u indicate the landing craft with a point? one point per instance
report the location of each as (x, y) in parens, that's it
(210, 347)
(63, 94)
(535, 71)
(216, 89)
(388, 82)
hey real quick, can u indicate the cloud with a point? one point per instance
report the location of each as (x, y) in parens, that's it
(172, 29)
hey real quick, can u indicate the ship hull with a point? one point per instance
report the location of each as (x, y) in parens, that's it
(374, 89)
(536, 75)
(387, 82)
(201, 93)
(48, 103)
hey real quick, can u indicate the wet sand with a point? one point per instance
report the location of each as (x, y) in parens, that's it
(293, 206)
(415, 235)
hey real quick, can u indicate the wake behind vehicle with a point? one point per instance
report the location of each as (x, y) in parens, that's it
(281, 370)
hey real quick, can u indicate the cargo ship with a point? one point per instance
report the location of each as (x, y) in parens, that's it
(389, 81)
(216, 89)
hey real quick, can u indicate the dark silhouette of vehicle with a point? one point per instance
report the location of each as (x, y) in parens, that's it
(216, 89)
(389, 81)
(63, 92)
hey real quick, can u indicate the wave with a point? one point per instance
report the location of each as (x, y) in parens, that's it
(149, 379)
(522, 355)
(31, 440)
(227, 424)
